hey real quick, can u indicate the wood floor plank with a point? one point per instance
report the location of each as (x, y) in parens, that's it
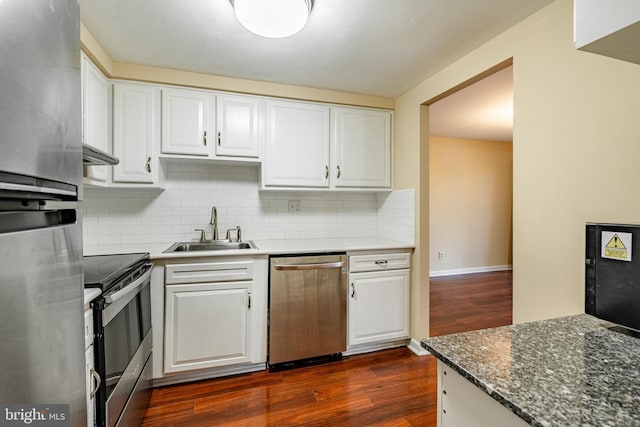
(471, 301)
(356, 391)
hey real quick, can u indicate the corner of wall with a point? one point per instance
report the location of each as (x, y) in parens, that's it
(95, 52)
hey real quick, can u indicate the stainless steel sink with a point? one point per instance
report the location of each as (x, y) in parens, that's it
(218, 245)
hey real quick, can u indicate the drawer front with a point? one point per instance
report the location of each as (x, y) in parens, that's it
(379, 262)
(206, 272)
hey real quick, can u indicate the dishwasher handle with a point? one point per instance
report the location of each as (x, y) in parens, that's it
(321, 266)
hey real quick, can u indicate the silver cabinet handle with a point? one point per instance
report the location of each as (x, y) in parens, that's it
(326, 172)
(98, 381)
(353, 290)
(204, 138)
(149, 164)
(249, 300)
(382, 263)
(219, 140)
(322, 266)
(339, 172)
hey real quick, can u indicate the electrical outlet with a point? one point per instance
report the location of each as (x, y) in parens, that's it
(441, 255)
(294, 205)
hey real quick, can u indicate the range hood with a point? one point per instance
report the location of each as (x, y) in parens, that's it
(93, 157)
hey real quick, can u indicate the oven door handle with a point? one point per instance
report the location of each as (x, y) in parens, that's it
(134, 286)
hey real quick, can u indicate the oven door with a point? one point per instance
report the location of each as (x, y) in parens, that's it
(123, 345)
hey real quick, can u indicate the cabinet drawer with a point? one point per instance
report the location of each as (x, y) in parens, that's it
(222, 271)
(379, 262)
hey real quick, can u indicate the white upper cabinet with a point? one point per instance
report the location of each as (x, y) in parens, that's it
(135, 132)
(361, 148)
(304, 149)
(96, 117)
(186, 122)
(297, 145)
(238, 126)
(610, 28)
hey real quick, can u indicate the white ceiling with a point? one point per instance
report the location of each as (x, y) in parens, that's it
(376, 47)
(483, 110)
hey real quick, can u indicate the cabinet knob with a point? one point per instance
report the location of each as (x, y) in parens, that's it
(149, 164)
(326, 172)
(353, 290)
(204, 138)
(249, 294)
(219, 140)
(339, 172)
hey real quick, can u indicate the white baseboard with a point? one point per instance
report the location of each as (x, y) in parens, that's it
(415, 346)
(457, 271)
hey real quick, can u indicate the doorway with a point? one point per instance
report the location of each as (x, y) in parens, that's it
(470, 204)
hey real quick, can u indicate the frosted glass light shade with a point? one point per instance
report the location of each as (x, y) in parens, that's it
(272, 18)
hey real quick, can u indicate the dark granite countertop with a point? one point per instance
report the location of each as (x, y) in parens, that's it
(570, 371)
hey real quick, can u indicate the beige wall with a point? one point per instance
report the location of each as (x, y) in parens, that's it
(118, 70)
(576, 149)
(469, 203)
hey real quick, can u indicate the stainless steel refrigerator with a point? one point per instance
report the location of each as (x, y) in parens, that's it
(41, 281)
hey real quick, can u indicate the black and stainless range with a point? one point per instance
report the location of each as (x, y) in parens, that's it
(122, 335)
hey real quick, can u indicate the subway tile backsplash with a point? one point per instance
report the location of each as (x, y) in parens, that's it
(126, 216)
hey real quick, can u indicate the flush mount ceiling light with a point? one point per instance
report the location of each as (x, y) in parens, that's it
(272, 18)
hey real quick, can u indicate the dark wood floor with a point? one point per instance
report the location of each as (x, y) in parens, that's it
(470, 301)
(386, 388)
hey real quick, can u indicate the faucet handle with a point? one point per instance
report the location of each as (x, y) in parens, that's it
(202, 235)
(238, 231)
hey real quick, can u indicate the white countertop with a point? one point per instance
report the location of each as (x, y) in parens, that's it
(264, 247)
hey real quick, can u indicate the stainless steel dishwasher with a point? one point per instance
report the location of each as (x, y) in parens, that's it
(308, 307)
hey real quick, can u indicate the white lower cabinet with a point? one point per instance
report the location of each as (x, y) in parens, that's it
(462, 404)
(215, 313)
(378, 308)
(207, 326)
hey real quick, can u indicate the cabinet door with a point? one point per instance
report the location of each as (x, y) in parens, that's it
(185, 121)
(461, 403)
(297, 145)
(378, 306)
(361, 148)
(134, 110)
(237, 120)
(96, 117)
(205, 326)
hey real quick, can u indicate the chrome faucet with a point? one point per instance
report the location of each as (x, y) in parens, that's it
(214, 223)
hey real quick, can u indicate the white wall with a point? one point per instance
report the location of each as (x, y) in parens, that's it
(117, 218)
(575, 156)
(470, 188)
